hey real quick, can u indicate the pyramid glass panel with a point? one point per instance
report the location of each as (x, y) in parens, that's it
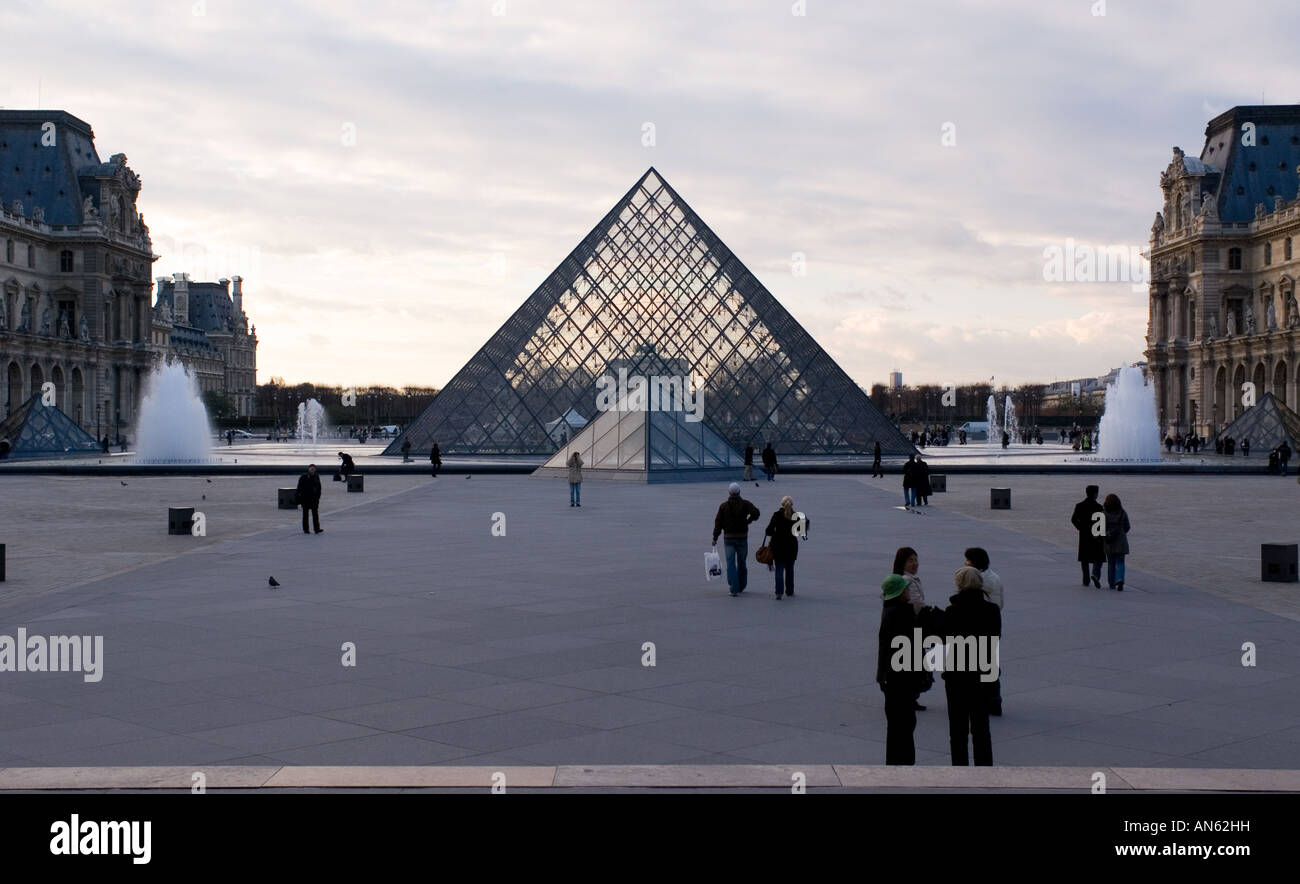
(653, 290)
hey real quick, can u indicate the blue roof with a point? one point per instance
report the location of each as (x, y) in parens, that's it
(56, 177)
(1262, 171)
(211, 307)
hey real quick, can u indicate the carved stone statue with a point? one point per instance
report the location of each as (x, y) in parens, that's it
(88, 210)
(4, 316)
(1292, 312)
(1250, 320)
(25, 318)
(38, 213)
(1158, 228)
(1270, 316)
(85, 330)
(65, 330)
(1232, 323)
(17, 208)
(1212, 325)
(46, 327)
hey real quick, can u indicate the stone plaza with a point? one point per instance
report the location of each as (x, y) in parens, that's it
(524, 648)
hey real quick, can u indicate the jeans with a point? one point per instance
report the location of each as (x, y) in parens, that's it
(1114, 570)
(575, 493)
(784, 576)
(968, 712)
(909, 497)
(900, 718)
(737, 550)
(1096, 570)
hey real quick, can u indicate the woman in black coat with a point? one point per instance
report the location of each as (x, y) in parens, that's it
(784, 545)
(1092, 546)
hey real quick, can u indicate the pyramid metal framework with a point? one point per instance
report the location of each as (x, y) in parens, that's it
(1265, 424)
(650, 284)
(35, 429)
(647, 446)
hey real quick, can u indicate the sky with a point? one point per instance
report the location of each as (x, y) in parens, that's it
(393, 179)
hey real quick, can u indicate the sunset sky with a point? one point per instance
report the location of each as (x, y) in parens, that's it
(486, 145)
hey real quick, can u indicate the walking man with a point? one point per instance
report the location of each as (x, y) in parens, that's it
(732, 522)
(1284, 455)
(876, 471)
(1092, 545)
(769, 462)
(435, 458)
(309, 498)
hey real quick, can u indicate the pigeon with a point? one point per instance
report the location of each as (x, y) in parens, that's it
(273, 582)
(755, 484)
(205, 497)
(209, 481)
(467, 477)
(123, 483)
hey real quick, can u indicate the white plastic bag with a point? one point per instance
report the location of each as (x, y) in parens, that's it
(712, 565)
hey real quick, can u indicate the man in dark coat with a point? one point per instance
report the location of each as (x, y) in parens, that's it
(921, 477)
(901, 683)
(1092, 547)
(769, 462)
(732, 522)
(1284, 455)
(875, 462)
(346, 465)
(435, 458)
(309, 498)
(972, 626)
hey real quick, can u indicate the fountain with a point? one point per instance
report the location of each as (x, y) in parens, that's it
(173, 426)
(991, 415)
(311, 421)
(1009, 422)
(1128, 422)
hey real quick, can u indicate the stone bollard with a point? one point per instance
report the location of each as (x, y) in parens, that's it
(1000, 498)
(1277, 562)
(180, 519)
(356, 483)
(288, 498)
(939, 483)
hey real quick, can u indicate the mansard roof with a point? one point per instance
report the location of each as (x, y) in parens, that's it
(57, 177)
(1263, 170)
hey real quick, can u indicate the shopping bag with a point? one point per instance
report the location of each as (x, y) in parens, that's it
(712, 565)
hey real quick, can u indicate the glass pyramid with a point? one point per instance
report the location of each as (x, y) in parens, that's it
(647, 446)
(38, 430)
(1265, 424)
(652, 286)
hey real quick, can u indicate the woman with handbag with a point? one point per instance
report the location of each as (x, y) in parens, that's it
(784, 548)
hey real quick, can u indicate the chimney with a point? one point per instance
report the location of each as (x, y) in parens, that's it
(181, 299)
(238, 294)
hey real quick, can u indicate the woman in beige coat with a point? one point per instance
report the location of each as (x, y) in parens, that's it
(575, 479)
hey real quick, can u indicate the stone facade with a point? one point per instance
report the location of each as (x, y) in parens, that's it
(204, 325)
(1225, 258)
(75, 269)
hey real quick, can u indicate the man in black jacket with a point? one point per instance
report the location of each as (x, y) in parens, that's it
(1092, 546)
(899, 677)
(732, 522)
(972, 627)
(876, 471)
(309, 498)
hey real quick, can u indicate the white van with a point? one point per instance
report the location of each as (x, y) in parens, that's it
(976, 431)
